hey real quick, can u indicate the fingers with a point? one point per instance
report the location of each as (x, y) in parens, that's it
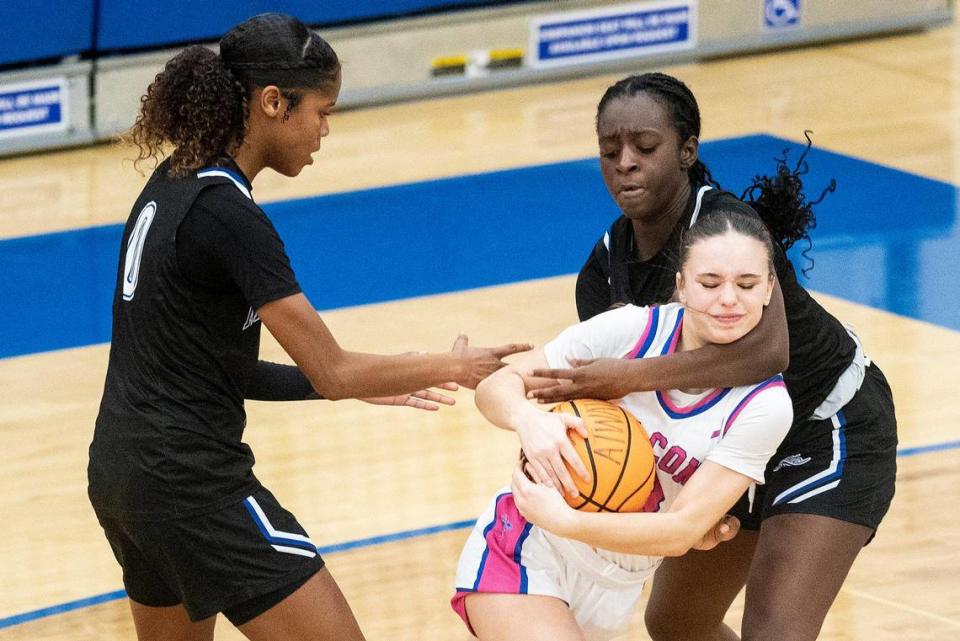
(436, 397)
(580, 362)
(575, 423)
(461, 343)
(450, 387)
(729, 527)
(567, 374)
(420, 404)
(512, 348)
(566, 481)
(544, 475)
(557, 393)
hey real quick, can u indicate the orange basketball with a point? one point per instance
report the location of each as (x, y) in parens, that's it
(617, 454)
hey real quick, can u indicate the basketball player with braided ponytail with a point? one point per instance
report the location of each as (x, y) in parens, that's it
(201, 268)
(832, 480)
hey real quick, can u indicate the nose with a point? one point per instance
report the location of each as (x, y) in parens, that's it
(324, 128)
(627, 160)
(728, 294)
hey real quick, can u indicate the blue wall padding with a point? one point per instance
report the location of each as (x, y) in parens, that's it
(40, 30)
(130, 24)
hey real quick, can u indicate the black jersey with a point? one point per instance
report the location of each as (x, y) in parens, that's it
(198, 258)
(820, 348)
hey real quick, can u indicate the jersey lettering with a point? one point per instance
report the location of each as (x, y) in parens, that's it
(658, 441)
(673, 459)
(687, 472)
(131, 263)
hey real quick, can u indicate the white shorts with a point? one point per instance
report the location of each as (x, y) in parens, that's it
(506, 554)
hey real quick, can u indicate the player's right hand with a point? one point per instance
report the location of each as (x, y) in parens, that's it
(481, 362)
(547, 448)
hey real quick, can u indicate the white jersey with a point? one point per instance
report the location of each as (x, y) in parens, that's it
(738, 428)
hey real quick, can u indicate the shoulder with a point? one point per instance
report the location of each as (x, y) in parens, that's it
(768, 399)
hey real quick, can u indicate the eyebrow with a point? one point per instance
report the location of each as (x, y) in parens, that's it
(738, 276)
(633, 132)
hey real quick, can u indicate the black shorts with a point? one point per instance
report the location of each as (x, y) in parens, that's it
(240, 560)
(844, 467)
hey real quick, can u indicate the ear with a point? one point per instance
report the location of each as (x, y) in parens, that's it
(769, 295)
(269, 101)
(680, 295)
(689, 152)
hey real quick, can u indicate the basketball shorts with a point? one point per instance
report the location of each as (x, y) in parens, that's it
(843, 467)
(505, 554)
(240, 560)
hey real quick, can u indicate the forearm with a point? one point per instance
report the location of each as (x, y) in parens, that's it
(501, 398)
(651, 534)
(361, 375)
(276, 382)
(761, 353)
(336, 373)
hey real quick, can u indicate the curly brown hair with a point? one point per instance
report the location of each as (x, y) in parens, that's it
(195, 104)
(199, 103)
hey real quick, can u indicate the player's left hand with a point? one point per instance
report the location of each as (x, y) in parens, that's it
(423, 400)
(540, 504)
(724, 530)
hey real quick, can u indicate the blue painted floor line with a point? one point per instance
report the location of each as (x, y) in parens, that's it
(106, 597)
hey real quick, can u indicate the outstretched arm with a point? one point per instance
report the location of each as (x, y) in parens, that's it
(760, 354)
(336, 373)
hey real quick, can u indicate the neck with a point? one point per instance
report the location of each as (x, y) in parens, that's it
(650, 234)
(248, 160)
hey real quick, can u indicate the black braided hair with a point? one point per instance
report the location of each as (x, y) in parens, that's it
(778, 199)
(677, 99)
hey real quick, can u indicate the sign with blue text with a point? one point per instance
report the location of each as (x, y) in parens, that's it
(781, 14)
(622, 31)
(38, 106)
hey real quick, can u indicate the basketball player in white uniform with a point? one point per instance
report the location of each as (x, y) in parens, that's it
(533, 568)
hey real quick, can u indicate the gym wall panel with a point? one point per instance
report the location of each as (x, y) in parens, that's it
(130, 24)
(39, 31)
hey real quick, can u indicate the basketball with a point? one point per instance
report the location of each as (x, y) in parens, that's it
(617, 454)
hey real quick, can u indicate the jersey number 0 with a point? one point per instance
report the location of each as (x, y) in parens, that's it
(131, 264)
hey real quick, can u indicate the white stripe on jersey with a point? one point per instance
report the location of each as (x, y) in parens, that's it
(696, 210)
(206, 173)
(812, 481)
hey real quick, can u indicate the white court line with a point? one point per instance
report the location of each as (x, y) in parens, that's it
(930, 615)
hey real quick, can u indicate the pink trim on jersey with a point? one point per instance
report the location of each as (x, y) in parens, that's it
(771, 383)
(709, 398)
(643, 337)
